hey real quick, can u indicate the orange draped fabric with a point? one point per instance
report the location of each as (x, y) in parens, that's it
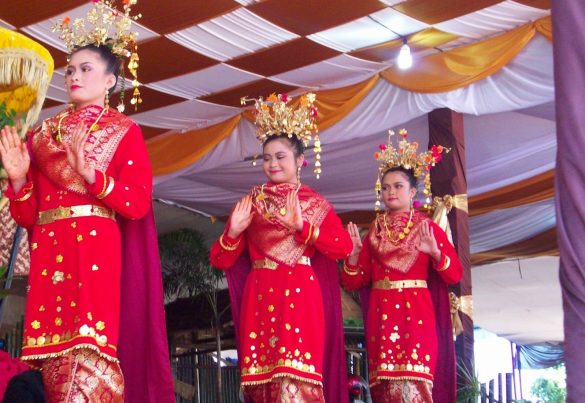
(177, 151)
(334, 105)
(532, 190)
(462, 66)
(436, 73)
(543, 244)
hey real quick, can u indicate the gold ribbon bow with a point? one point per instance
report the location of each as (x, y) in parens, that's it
(443, 205)
(463, 304)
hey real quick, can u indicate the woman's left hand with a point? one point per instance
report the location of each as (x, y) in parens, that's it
(427, 242)
(292, 217)
(76, 153)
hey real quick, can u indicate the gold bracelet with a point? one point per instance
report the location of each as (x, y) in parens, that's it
(315, 235)
(310, 234)
(104, 186)
(229, 248)
(350, 272)
(28, 193)
(108, 190)
(446, 264)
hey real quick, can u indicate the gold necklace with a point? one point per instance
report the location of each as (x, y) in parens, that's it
(92, 128)
(403, 234)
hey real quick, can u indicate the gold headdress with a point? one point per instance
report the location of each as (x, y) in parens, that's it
(274, 117)
(407, 157)
(109, 27)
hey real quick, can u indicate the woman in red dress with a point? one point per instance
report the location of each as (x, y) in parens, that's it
(401, 251)
(89, 165)
(281, 225)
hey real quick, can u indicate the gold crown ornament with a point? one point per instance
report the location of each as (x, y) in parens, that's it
(106, 26)
(406, 155)
(274, 117)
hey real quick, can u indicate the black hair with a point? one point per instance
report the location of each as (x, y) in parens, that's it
(113, 62)
(408, 172)
(297, 145)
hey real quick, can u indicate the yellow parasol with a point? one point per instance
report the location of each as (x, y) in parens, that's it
(26, 68)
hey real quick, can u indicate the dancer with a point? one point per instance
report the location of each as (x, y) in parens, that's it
(94, 319)
(407, 260)
(289, 323)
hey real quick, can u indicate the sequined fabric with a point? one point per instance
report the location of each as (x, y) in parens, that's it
(402, 391)
(81, 376)
(285, 390)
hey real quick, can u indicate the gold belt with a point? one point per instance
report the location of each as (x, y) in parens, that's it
(87, 210)
(272, 265)
(386, 284)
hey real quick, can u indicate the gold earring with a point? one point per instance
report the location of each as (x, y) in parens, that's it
(299, 174)
(107, 100)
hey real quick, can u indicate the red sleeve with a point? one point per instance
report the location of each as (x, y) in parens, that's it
(449, 267)
(225, 251)
(23, 204)
(354, 277)
(331, 239)
(126, 186)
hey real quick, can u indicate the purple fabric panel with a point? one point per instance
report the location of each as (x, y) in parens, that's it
(444, 383)
(568, 18)
(236, 278)
(335, 383)
(143, 347)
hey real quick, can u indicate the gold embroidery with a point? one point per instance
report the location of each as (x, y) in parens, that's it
(100, 144)
(398, 257)
(279, 243)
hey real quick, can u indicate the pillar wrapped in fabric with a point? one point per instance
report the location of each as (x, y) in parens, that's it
(569, 45)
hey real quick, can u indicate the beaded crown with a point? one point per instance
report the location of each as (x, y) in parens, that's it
(275, 117)
(406, 155)
(104, 25)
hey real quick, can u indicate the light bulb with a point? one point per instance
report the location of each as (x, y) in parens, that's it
(404, 59)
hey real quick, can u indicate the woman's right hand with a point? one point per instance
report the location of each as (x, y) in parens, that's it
(15, 158)
(241, 217)
(356, 239)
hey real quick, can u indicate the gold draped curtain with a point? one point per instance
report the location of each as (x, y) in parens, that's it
(436, 73)
(448, 71)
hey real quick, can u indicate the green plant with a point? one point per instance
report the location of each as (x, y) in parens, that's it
(7, 117)
(187, 273)
(185, 262)
(471, 389)
(3, 270)
(549, 391)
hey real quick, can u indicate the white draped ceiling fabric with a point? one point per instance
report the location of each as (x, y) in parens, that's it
(197, 58)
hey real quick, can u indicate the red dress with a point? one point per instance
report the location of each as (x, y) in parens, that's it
(282, 325)
(400, 324)
(73, 299)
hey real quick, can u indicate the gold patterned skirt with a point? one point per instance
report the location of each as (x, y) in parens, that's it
(82, 375)
(402, 391)
(285, 390)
